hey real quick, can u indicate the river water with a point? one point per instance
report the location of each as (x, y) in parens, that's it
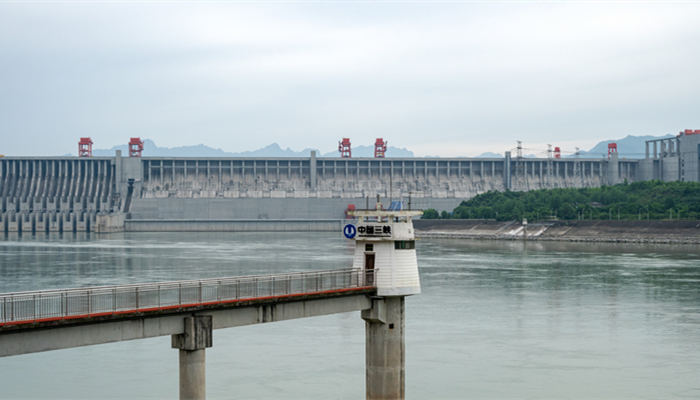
(496, 320)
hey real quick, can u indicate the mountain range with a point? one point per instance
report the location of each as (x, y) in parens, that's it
(628, 147)
(273, 150)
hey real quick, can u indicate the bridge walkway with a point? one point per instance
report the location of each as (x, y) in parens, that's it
(187, 310)
(43, 311)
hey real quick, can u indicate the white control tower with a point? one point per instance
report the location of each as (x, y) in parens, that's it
(385, 242)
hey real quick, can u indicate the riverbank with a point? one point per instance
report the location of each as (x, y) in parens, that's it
(670, 232)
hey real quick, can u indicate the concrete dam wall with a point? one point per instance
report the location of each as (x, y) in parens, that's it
(323, 187)
(672, 159)
(98, 194)
(56, 194)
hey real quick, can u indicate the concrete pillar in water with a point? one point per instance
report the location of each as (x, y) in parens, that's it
(192, 345)
(385, 350)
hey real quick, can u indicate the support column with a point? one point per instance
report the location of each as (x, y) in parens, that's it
(312, 170)
(613, 169)
(192, 344)
(385, 351)
(646, 153)
(506, 172)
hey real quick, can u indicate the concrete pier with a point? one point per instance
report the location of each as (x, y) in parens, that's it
(192, 344)
(192, 374)
(385, 348)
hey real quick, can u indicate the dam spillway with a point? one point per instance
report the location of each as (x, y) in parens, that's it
(98, 193)
(56, 194)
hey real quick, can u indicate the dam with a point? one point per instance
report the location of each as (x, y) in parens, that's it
(97, 194)
(318, 188)
(103, 194)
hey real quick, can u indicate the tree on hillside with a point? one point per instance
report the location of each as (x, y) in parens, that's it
(652, 199)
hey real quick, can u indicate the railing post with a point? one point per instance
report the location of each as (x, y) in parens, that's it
(114, 300)
(158, 290)
(89, 302)
(199, 290)
(136, 294)
(34, 306)
(64, 305)
(179, 294)
(218, 291)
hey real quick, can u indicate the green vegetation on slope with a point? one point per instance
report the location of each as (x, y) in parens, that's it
(639, 200)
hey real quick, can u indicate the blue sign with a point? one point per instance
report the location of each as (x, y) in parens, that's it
(349, 231)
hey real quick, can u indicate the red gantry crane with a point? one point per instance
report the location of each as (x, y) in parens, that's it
(380, 148)
(135, 147)
(85, 147)
(344, 148)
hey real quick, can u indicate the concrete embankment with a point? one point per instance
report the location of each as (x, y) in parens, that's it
(672, 232)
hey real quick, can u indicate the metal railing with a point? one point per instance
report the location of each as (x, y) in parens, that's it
(47, 305)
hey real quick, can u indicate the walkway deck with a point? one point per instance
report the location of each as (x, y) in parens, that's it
(47, 308)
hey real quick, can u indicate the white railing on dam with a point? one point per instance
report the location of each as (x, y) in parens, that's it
(64, 304)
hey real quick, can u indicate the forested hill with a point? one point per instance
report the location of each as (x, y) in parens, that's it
(639, 200)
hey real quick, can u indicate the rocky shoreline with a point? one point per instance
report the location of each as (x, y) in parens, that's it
(651, 232)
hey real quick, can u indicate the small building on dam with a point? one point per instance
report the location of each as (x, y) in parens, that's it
(102, 194)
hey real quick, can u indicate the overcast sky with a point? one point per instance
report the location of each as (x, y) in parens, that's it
(447, 79)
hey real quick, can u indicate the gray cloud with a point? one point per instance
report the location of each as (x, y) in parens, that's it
(446, 79)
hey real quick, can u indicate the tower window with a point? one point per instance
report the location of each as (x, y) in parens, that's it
(369, 247)
(404, 244)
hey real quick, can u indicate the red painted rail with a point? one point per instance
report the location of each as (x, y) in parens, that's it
(64, 304)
